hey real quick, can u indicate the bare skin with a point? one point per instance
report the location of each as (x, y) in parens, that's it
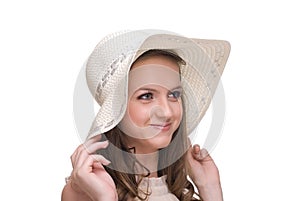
(204, 173)
(89, 180)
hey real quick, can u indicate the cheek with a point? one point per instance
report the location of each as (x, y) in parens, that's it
(178, 111)
(139, 114)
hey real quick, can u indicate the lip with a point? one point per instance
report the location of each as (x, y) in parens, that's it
(162, 127)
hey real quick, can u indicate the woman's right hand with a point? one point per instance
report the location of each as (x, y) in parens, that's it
(89, 176)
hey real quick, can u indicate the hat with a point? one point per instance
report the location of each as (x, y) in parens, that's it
(108, 66)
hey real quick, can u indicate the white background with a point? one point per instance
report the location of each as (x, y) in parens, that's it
(43, 45)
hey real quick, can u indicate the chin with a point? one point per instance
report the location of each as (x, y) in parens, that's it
(150, 145)
(163, 141)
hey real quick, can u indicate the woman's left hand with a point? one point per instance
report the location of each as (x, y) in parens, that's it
(204, 173)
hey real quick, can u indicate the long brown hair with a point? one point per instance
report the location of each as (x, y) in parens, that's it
(172, 159)
(123, 164)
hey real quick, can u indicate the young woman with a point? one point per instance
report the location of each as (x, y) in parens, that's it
(153, 88)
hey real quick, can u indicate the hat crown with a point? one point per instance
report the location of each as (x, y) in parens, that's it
(110, 53)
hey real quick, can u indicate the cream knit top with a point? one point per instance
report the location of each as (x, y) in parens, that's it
(158, 188)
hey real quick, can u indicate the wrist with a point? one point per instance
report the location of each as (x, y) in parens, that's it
(212, 192)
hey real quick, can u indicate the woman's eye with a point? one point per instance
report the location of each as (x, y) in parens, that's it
(146, 96)
(175, 94)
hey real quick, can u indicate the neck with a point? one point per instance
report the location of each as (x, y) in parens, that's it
(150, 161)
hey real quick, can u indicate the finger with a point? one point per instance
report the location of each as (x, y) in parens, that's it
(82, 154)
(206, 156)
(92, 159)
(200, 154)
(96, 146)
(92, 164)
(93, 140)
(196, 151)
(204, 153)
(75, 155)
(97, 165)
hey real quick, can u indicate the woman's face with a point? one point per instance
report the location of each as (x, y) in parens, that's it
(154, 109)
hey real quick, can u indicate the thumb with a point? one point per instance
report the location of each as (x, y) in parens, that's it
(200, 154)
(204, 153)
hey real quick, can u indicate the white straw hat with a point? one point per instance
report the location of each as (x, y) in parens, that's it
(108, 66)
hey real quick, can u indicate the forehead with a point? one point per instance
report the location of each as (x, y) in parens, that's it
(160, 60)
(153, 74)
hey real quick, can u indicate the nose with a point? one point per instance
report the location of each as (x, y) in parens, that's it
(164, 109)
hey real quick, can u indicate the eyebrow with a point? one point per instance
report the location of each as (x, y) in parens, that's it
(178, 87)
(154, 90)
(146, 89)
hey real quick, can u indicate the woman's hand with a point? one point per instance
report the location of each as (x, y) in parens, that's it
(204, 173)
(89, 177)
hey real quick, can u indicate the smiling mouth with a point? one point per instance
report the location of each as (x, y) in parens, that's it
(162, 127)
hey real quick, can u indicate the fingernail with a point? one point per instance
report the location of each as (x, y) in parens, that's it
(204, 153)
(107, 162)
(107, 143)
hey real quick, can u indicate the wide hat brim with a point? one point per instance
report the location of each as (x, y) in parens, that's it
(108, 67)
